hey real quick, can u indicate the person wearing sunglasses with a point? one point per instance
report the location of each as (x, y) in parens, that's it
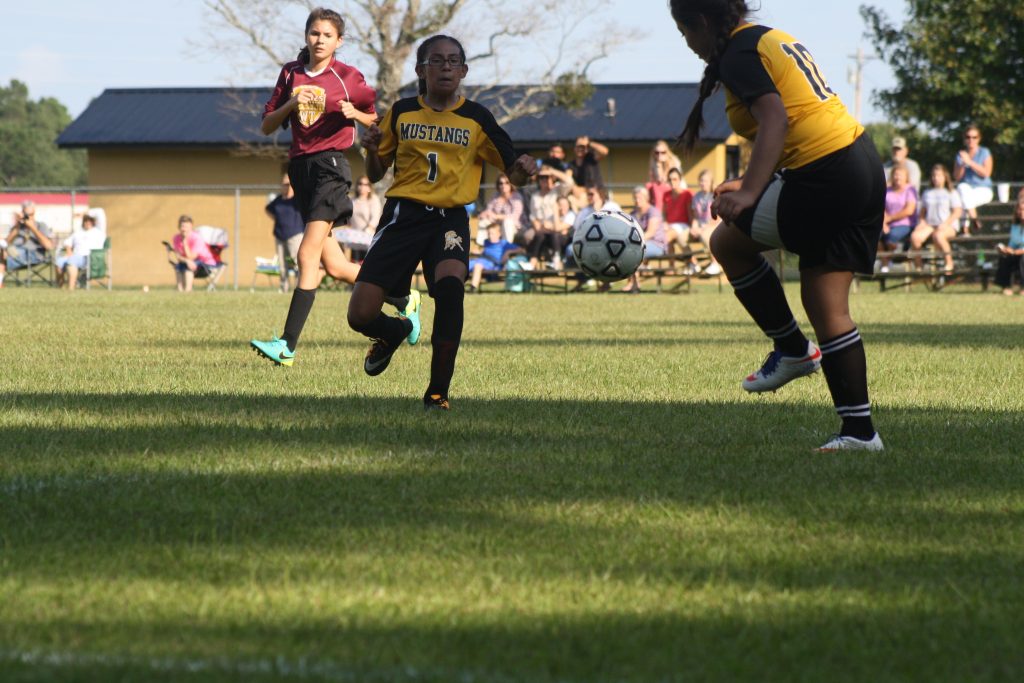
(973, 175)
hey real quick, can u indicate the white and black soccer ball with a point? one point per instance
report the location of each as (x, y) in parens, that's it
(608, 245)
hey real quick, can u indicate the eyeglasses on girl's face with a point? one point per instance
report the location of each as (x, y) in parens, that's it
(438, 61)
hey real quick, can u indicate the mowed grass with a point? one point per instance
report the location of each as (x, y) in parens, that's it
(602, 504)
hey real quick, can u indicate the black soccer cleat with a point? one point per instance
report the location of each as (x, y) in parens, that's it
(433, 402)
(378, 357)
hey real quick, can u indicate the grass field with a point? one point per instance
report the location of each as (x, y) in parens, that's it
(602, 504)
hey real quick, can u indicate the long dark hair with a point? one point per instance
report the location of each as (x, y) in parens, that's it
(722, 16)
(321, 14)
(424, 49)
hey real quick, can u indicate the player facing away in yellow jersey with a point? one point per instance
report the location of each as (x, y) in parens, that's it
(814, 186)
(438, 143)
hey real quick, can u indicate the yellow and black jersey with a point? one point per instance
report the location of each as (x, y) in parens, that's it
(760, 60)
(439, 155)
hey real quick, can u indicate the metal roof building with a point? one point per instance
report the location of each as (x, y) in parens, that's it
(637, 113)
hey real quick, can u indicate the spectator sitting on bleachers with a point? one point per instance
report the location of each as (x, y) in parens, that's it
(597, 197)
(703, 224)
(662, 161)
(556, 158)
(566, 218)
(901, 155)
(900, 215)
(77, 249)
(193, 254)
(543, 205)
(973, 175)
(940, 216)
(496, 253)
(28, 243)
(677, 211)
(1010, 254)
(656, 236)
(505, 209)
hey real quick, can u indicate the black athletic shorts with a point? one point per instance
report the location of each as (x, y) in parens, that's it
(410, 233)
(322, 182)
(828, 212)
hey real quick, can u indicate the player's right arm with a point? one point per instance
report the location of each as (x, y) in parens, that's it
(376, 164)
(274, 119)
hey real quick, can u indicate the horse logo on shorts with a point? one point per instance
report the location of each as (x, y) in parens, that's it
(310, 113)
(452, 241)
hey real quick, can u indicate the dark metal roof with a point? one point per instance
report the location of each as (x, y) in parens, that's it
(171, 117)
(644, 112)
(219, 117)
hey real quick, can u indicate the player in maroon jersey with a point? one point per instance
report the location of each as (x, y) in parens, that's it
(321, 99)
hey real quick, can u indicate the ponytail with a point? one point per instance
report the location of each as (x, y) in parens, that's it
(724, 16)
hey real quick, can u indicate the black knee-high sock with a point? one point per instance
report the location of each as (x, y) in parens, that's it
(298, 311)
(761, 294)
(846, 371)
(449, 293)
(389, 329)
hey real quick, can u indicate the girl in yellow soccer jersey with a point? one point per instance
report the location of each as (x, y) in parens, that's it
(438, 142)
(814, 186)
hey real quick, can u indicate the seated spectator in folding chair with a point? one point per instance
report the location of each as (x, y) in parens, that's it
(288, 228)
(194, 257)
(28, 245)
(497, 251)
(900, 215)
(76, 251)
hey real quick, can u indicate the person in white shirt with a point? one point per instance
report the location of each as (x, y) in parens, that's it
(77, 248)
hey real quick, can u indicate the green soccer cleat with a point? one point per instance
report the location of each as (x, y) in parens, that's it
(412, 314)
(275, 350)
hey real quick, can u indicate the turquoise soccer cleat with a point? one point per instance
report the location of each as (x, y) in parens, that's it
(412, 313)
(275, 350)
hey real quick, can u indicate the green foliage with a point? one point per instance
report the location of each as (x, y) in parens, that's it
(572, 90)
(29, 156)
(603, 504)
(956, 63)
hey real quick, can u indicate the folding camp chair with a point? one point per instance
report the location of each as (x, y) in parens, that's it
(97, 267)
(217, 240)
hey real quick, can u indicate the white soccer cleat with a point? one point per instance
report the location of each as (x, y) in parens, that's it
(779, 370)
(851, 443)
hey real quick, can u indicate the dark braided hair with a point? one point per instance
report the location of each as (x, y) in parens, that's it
(321, 14)
(424, 49)
(722, 16)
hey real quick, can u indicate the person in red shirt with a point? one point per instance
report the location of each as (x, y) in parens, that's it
(321, 99)
(676, 210)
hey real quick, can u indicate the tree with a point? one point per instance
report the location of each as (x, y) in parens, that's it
(29, 156)
(561, 38)
(956, 63)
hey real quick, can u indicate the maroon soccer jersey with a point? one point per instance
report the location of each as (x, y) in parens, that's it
(320, 126)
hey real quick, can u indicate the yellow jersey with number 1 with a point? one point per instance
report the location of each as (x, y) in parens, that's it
(759, 60)
(439, 155)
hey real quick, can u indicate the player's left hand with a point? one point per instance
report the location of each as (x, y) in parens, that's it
(728, 205)
(522, 169)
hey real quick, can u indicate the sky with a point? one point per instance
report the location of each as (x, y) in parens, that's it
(72, 50)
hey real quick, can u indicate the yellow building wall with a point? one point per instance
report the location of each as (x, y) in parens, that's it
(138, 220)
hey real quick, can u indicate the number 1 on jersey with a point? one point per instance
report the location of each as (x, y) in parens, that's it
(802, 56)
(432, 172)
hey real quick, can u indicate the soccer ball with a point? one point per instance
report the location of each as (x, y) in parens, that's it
(608, 245)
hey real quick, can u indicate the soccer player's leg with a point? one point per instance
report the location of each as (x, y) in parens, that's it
(760, 292)
(825, 293)
(446, 264)
(449, 292)
(387, 333)
(282, 350)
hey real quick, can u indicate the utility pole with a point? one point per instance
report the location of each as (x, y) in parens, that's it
(855, 76)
